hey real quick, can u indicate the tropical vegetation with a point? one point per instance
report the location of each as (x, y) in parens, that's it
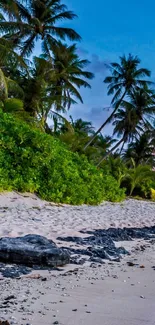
(43, 151)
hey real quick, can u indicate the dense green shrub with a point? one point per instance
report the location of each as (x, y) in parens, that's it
(33, 161)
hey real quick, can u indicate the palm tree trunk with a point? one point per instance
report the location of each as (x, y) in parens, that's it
(107, 121)
(132, 188)
(112, 149)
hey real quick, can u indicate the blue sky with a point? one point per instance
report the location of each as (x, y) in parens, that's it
(110, 29)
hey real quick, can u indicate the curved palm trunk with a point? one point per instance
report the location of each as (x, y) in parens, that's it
(107, 121)
(112, 149)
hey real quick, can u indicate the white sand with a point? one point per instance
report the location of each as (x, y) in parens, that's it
(112, 294)
(24, 214)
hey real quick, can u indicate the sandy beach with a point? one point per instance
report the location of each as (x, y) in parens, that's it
(112, 293)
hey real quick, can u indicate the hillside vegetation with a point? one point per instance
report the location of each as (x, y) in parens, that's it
(33, 161)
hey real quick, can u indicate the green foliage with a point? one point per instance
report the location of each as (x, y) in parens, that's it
(33, 161)
(117, 168)
(139, 175)
(146, 186)
(12, 105)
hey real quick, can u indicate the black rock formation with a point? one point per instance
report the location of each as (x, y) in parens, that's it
(100, 244)
(32, 250)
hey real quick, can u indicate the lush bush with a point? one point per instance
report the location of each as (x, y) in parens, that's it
(33, 161)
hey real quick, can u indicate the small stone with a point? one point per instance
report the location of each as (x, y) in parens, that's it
(56, 322)
(131, 264)
(74, 309)
(10, 297)
(142, 297)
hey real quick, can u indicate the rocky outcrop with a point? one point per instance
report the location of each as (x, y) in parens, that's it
(32, 250)
(100, 244)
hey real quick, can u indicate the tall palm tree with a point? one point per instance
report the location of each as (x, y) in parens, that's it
(69, 76)
(36, 20)
(133, 117)
(142, 101)
(126, 126)
(141, 150)
(54, 85)
(126, 76)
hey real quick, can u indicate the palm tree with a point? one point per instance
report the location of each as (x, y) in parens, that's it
(36, 20)
(138, 174)
(54, 85)
(143, 102)
(117, 168)
(34, 86)
(141, 150)
(9, 58)
(126, 125)
(133, 117)
(82, 127)
(103, 143)
(126, 76)
(69, 76)
(9, 7)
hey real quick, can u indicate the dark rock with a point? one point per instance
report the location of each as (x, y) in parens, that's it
(131, 264)
(96, 260)
(32, 250)
(99, 245)
(10, 297)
